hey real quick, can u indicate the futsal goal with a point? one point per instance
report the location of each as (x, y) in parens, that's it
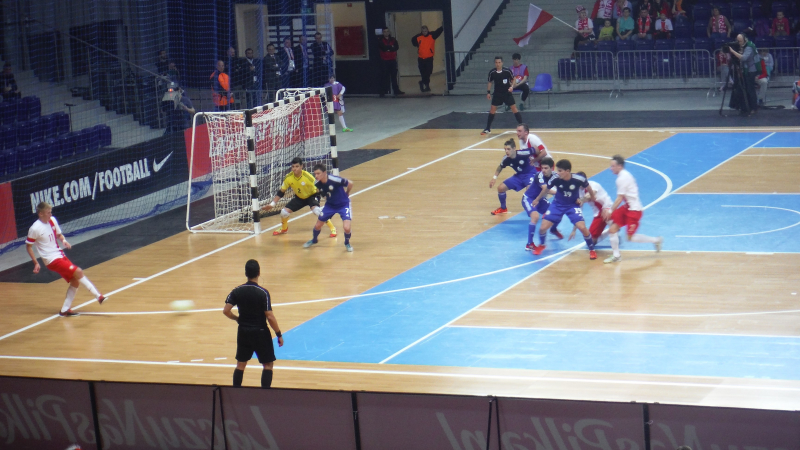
(249, 153)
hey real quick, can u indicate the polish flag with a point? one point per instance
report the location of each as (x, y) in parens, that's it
(536, 18)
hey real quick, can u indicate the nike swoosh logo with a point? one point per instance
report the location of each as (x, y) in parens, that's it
(157, 165)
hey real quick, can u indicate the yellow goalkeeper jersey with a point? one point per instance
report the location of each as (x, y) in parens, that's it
(303, 186)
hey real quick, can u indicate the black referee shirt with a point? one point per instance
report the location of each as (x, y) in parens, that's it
(502, 80)
(252, 300)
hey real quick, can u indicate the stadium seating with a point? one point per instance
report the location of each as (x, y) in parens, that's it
(105, 134)
(755, 10)
(740, 25)
(48, 125)
(701, 12)
(8, 162)
(62, 123)
(764, 41)
(682, 30)
(786, 7)
(701, 28)
(8, 137)
(29, 108)
(565, 69)
(53, 147)
(785, 41)
(740, 11)
(8, 112)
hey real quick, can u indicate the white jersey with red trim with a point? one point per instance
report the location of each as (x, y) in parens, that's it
(600, 196)
(44, 237)
(627, 187)
(536, 147)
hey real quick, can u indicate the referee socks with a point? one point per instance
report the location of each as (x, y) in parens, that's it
(237, 377)
(266, 378)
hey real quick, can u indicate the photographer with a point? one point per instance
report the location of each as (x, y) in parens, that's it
(177, 108)
(744, 92)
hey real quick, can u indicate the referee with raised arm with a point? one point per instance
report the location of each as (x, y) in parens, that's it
(255, 310)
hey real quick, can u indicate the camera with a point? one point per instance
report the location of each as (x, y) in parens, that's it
(173, 94)
(726, 47)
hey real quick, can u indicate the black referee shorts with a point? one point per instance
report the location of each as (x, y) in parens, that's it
(500, 98)
(251, 340)
(297, 203)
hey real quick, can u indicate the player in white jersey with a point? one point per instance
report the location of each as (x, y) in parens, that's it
(627, 214)
(531, 142)
(602, 202)
(45, 234)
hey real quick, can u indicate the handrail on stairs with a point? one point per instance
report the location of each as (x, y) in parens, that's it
(467, 21)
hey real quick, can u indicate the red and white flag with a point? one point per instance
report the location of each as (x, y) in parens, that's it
(536, 18)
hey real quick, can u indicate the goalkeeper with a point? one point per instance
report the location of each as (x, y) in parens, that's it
(305, 194)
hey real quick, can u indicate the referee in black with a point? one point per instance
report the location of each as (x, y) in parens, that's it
(503, 80)
(255, 309)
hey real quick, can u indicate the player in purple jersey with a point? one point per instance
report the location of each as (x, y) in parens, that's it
(565, 202)
(524, 172)
(534, 200)
(338, 100)
(337, 191)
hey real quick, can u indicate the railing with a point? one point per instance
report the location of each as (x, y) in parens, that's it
(614, 71)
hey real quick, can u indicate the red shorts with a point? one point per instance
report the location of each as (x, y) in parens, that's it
(597, 227)
(63, 267)
(624, 217)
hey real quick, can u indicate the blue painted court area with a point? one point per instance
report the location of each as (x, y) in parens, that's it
(391, 327)
(781, 140)
(592, 351)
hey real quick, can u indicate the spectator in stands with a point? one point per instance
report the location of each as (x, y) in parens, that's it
(10, 89)
(643, 26)
(651, 8)
(172, 72)
(426, 47)
(221, 88)
(625, 25)
(663, 27)
(723, 60)
(619, 9)
(584, 27)
(272, 70)
(162, 64)
(718, 25)
(607, 32)
(765, 66)
(251, 70)
(322, 60)
(780, 25)
(287, 63)
(303, 68)
(663, 7)
(178, 109)
(521, 76)
(388, 47)
(677, 9)
(603, 9)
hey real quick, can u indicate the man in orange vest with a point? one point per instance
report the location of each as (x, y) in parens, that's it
(426, 46)
(221, 88)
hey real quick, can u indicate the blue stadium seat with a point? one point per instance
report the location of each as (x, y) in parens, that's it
(625, 65)
(605, 65)
(81, 141)
(785, 61)
(586, 67)
(626, 45)
(93, 140)
(25, 132)
(37, 129)
(105, 136)
(38, 152)
(755, 10)
(29, 108)
(643, 67)
(786, 7)
(565, 69)
(645, 44)
(784, 41)
(764, 41)
(25, 157)
(724, 10)
(740, 11)
(718, 42)
(682, 31)
(683, 44)
(664, 44)
(701, 12)
(701, 28)
(8, 112)
(53, 149)
(8, 137)
(10, 164)
(740, 25)
(48, 124)
(66, 145)
(704, 44)
(62, 123)
(607, 46)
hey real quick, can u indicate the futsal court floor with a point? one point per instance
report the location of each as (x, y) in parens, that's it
(439, 296)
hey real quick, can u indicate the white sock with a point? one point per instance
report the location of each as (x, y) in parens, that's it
(643, 239)
(70, 297)
(614, 238)
(341, 120)
(88, 285)
(316, 211)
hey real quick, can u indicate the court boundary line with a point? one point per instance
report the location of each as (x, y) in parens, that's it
(434, 374)
(682, 333)
(754, 233)
(636, 314)
(737, 193)
(197, 258)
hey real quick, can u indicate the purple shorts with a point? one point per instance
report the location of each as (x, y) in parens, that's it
(541, 207)
(556, 212)
(519, 181)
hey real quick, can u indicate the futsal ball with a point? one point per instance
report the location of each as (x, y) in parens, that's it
(182, 305)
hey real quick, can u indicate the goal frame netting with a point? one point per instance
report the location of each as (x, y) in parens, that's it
(249, 133)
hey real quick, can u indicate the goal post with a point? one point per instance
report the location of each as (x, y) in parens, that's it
(246, 154)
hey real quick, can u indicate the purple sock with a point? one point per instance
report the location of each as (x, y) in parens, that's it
(502, 197)
(531, 230)
(316, 234)
(542, 238)
(589, 242)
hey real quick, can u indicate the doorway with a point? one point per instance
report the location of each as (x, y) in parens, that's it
(403, 26)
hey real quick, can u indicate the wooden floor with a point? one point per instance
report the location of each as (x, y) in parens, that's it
(437, 182)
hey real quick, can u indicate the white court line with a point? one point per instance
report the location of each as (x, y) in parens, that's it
(715, 385)
(5, 336)
(662, 130)
(750, 234)
(737, 193)
(569, 330)
(753, 156)
(600, 313)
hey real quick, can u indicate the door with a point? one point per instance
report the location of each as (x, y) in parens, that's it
(403, 26)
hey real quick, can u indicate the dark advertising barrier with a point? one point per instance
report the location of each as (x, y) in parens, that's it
(290, 419)
(45, 414)
(723, 428)
(96, 183)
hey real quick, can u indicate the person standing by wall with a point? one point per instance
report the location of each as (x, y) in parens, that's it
(747, 59)
(302, 61)
(251, 76)
(255, 310)
(321, 54)
(388, 47)
(426, 48)
(272, 71)
(288, 63)
(221, 88)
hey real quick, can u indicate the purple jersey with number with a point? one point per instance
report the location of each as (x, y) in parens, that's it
(536, 187)
(567, 191)
(334, 190)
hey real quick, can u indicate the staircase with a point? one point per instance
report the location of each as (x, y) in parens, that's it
(125, 131)
(547, 44)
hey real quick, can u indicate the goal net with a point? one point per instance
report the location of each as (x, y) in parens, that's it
(244, 181)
